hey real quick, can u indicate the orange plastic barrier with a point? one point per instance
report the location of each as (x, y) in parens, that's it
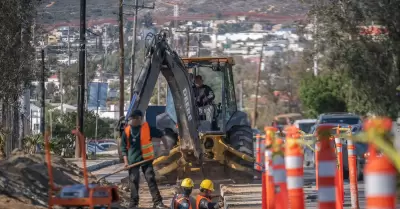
(294, 169)
(281, 193)
(379, 172)
(268, 176)
(326, 169)
(352, 162)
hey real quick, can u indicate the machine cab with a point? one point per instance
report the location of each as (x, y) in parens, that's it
(217, 74)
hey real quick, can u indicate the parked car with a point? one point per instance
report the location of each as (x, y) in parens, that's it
(305, 124)
(109, 145)
(360, 148)
(337, 118)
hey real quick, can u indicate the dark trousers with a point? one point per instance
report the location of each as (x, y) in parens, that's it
(150, 177)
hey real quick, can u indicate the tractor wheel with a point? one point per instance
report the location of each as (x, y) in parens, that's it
(241, 139)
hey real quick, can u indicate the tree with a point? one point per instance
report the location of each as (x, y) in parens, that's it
(369, 63)
(322, 94)
(63, 124)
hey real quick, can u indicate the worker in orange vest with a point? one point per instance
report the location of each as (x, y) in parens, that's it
(203, 200)
(182, 201)
(136, 146)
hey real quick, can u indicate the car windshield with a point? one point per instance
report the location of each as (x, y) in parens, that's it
(306, 127)
(350, 121)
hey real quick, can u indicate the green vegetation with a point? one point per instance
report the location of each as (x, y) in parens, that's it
(364, 68)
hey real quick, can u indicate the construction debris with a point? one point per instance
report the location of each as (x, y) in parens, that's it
(24, 179)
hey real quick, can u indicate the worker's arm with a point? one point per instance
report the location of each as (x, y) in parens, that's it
(184, 205)
(124, 149)
(204, 204)
(209, 94)
(157, 135)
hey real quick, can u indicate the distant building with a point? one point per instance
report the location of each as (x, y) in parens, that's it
(35, 116)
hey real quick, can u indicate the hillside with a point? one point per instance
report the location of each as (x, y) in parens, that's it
(67, 10)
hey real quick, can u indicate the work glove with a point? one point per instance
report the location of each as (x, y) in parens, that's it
(221, 204)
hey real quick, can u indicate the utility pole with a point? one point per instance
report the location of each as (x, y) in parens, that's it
(258, 83)
(198, 45)
(315, 58)
(43, 93)
(188, 31)
(121, 58)
(81, 84)
(134, 35)
(241, 95)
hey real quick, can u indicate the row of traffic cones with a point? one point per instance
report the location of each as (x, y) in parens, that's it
(284, 175)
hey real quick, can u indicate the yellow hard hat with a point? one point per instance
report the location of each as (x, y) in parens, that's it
(187, 182)
(207, 184)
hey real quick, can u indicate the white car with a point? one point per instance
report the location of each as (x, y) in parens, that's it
(305, 124)
(109, 145)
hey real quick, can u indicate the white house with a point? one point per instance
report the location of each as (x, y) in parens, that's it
(35, 116)
(66, 108)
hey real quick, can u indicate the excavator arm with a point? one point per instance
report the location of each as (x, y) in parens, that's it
(160, 58)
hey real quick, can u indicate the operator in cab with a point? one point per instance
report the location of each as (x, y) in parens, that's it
(136, 146)
(205, 95)
(203, 200)
(182, 201)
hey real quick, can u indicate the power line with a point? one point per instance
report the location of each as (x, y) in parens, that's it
(188, 31)
(136, 7)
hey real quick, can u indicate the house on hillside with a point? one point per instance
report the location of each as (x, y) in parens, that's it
(34, 118)
(66, 108)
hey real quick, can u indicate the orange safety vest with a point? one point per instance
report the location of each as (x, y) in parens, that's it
(179, 199)
(199, 198)
(145, 140)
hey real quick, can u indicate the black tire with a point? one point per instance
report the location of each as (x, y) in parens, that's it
(241, 139)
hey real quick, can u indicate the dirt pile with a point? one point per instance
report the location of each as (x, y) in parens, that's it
(24, 179)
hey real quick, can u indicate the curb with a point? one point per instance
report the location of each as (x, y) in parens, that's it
(102, 165)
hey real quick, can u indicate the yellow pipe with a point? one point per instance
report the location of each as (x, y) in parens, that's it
(168, 169)
(242, 168)
(237, 153)
(164, 158)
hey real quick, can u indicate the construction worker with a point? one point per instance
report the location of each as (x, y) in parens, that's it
(182, 201)
(205, 94)
(203, 200)
(136, 146)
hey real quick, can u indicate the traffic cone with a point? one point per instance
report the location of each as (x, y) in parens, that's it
(326, 170)
(379, 172)
(317, 148)
(339, 157)
(352, 162)
(269, 179)
(294, 169)
(281, 193)
(258, 152)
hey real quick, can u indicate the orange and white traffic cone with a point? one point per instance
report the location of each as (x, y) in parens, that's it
(352, 162)
(269, 179)
(294, 169)
(379, 172)
(339, 171)
(317, 148)
(258, 152)
(326, 170)
(281, 195)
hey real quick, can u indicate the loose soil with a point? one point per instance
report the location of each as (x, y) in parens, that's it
(24, 179)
